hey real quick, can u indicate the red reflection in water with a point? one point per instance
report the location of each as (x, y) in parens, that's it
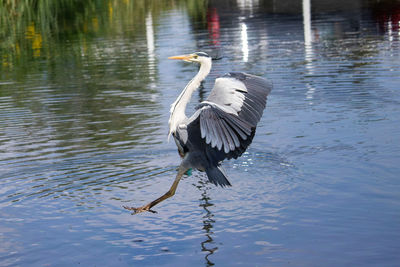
(213, 25)
(388, 17)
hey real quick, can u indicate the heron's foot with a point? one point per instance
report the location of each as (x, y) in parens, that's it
(140, 209)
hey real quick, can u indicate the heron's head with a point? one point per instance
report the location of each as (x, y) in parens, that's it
(199, 57)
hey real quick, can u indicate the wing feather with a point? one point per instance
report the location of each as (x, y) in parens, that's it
(203, 127)
(220, 134)
(231, 134)
(252, 114)
(234, 90)
(227, 136)
(213, 135)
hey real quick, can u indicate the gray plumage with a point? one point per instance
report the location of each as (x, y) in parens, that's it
(224, 125)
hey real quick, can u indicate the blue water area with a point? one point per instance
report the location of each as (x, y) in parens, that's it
(85, 96)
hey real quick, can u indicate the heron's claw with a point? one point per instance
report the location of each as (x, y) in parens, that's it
(140, 209)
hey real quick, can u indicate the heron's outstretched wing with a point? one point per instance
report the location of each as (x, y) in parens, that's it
(230, 114)
(242, 94)
(224, 125)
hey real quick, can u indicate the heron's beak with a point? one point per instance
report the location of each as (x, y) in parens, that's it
(182, 57)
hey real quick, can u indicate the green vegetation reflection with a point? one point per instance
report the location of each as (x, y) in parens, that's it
(35, 29)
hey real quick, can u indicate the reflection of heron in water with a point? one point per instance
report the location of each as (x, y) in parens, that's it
(222, 127)
(208, 222)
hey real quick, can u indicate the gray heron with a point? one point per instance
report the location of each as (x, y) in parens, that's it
(222, 127)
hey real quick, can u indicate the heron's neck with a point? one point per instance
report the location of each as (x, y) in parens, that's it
(179, 106)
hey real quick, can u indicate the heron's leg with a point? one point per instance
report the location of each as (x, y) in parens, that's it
(182, 170)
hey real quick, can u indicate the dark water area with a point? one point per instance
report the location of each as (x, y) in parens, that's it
(85, 91)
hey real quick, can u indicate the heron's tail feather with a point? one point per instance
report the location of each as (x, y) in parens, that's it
(217, 176)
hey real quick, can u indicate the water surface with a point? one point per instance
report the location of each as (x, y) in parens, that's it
(84, 104)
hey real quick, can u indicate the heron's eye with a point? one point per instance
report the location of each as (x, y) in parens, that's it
(195, 56)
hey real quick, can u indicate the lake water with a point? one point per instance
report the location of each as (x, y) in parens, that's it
(85, 90)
